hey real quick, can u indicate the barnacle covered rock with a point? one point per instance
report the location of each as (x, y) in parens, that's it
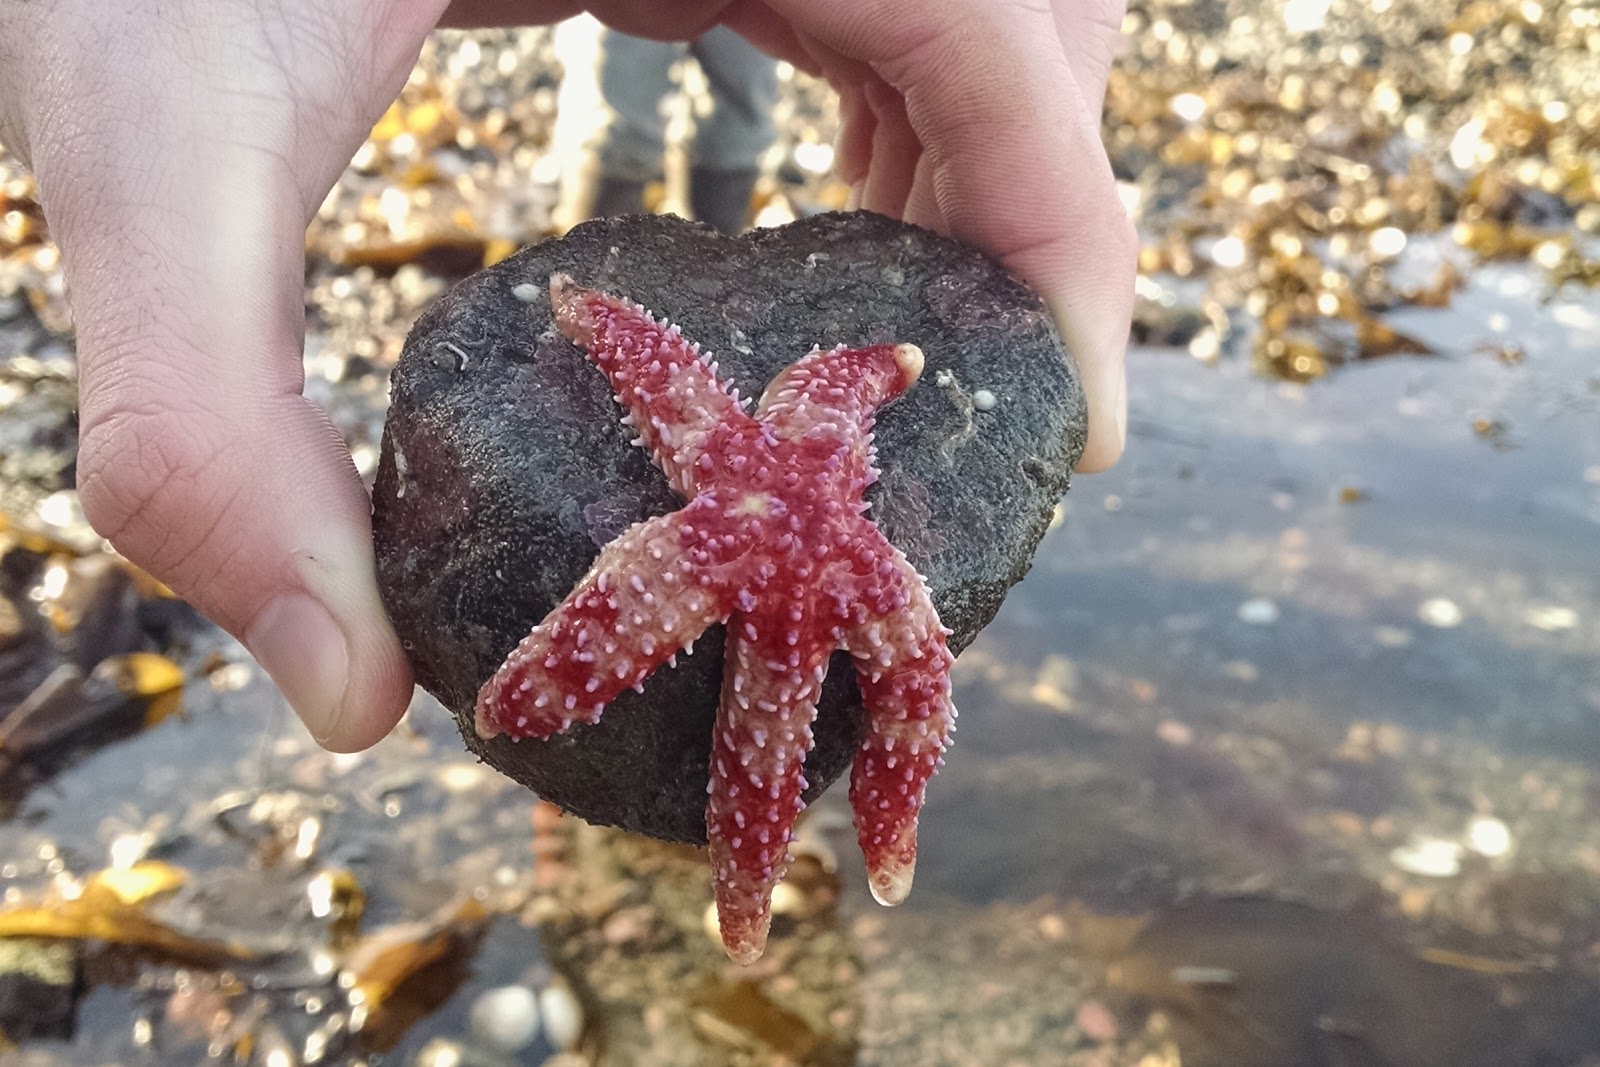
(505, 468)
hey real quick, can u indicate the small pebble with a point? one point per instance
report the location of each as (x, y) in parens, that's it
(566, 1059)
(627, 925)
(440, 1052)
(506, 1018)
(366, 459)
(1204, 976)
(1097, 1022)
(1258, 612)
(1489, 837)
(1053, 927)
(1441, 612)
(983, 400)
(1392, 636)
(1190, 107)
(1241, 670)
(1174, 732)
(812, 842)
(231, 677)
(527, 292)
(1551, 618)
(460, 776)
(1430, 857)
(1228, 253)
(787, 900)
(562, 1014)
(60, 509)
(777, 212)
(128, 849)
(1305, 16)
(1387, 242)
(814, 157)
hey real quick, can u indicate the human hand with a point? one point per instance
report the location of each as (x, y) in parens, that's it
(180, 150)
(981, 119)
(975, 118)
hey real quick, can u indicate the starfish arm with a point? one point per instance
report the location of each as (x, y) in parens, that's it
(774, 674)
(649, 594)
(671, 391)
(825, 402)
(903, 667)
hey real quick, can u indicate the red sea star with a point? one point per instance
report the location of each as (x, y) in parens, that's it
(775, 543)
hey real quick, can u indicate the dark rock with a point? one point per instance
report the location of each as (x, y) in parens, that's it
(505, 468)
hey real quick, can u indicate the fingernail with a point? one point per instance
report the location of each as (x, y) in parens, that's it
(1108, 423)
(1122, 411)
(304, 650)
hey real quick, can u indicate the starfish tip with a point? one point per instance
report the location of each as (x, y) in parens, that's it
(567, 308)
(908, 357)
(745, 950)
(891, 883)
(481, 724)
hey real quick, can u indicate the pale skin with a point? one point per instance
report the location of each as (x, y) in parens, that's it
(182, 146)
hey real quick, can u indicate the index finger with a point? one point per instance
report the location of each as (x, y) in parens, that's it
(1013, 152)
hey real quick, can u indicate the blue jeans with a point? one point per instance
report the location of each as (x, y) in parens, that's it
(635, 76)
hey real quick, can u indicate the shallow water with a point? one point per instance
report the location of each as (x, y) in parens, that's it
(1303, 645)
(1287, 751)
(1298, 645)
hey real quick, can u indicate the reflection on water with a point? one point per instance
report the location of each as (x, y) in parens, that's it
(1284, 753)
(1323, 646)
(1252, 982)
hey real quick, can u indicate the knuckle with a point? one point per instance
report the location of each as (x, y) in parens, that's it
(966, 72)
(909, 48)
(1122, 239)
(152, 481)
(1103, 15)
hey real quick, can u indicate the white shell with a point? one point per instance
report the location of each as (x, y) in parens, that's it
(1258, 612)
(1430, 857)
(506, 1018)
(1489, 837)
(563, 1014)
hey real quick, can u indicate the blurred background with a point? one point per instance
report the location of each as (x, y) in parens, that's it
(1287, 751)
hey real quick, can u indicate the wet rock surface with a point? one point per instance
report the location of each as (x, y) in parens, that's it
(505, 467)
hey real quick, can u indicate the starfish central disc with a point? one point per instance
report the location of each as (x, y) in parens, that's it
(774, 542)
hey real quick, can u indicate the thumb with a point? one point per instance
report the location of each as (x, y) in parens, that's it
(199, 458)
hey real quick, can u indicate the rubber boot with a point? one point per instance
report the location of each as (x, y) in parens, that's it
(617, 196)
(722, 197)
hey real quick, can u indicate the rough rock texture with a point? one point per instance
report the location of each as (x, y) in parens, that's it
(505, 467)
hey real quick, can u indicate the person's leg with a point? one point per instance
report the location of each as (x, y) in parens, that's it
(635, 75)
(729, 142)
